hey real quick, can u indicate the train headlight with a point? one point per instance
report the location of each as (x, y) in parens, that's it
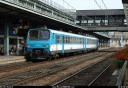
(46, 46)
(29, 46)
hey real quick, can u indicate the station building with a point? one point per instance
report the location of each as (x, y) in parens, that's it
(105, 18)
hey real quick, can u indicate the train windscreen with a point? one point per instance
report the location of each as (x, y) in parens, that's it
(39, 35)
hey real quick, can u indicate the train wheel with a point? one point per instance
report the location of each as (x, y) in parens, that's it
(55, 56)
(49, 58)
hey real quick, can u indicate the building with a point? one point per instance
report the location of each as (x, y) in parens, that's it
(105, 18)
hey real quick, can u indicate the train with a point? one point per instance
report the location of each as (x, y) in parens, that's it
(43, 44)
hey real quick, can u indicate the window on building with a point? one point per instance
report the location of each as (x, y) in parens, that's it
(77, 21)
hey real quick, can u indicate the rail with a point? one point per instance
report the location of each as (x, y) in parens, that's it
(73, 75)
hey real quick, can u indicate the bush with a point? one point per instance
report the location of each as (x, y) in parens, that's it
(122, 54)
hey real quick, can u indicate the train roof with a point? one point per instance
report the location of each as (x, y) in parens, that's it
(62, 32)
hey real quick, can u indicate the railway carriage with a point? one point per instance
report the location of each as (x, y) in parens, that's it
(47, 43)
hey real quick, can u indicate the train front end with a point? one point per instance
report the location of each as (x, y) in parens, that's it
(38, 44)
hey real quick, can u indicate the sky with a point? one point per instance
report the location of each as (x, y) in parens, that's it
(91, 4)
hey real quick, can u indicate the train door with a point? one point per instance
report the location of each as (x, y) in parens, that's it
(63, 44)
(56, 43)
(84, 44)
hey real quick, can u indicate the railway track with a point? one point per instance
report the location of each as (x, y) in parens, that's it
(19, 65)
(87, 76)
(21, 78)
(58, 75)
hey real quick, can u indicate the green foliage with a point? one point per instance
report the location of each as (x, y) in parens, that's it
(119, 63)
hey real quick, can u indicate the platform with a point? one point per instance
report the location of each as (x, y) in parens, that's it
(11, 59)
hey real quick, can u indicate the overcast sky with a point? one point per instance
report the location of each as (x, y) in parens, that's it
(91, 4)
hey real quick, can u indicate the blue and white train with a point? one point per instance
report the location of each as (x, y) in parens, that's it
(47, 43)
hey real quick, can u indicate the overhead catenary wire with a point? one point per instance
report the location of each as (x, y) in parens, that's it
(110, 15)
(79, 12)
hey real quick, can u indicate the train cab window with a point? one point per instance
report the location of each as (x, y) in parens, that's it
(44, 34)
(33, 34)
(39, 34)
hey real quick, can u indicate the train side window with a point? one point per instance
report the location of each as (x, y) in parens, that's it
(87, 41)
(60, 39)
(76, 40)
(68, 39)
(71, 40)
(79, 40)
(64, 39)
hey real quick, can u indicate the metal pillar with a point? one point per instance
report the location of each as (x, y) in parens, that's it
(121, 41)
(6, 37)
(100, 43)
(17, 46)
